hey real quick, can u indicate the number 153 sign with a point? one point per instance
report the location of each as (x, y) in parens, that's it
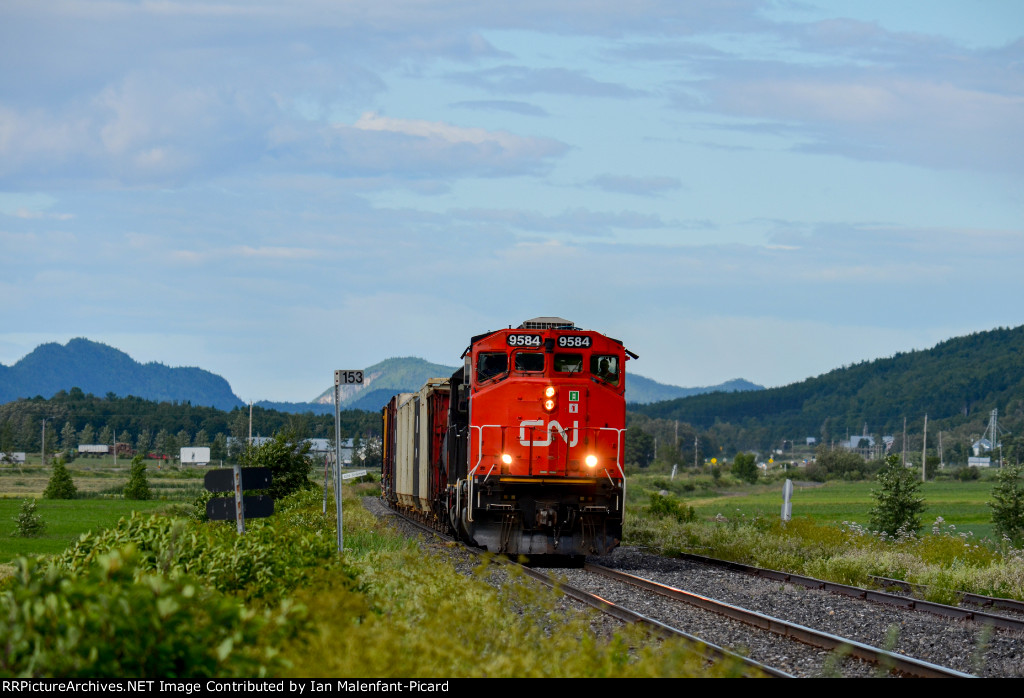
(348, 377)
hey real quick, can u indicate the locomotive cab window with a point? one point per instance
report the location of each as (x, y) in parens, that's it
(490, 365)
(605, 367)
(568, 363)
(529, 361)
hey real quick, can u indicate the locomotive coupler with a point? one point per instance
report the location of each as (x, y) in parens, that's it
(547, 516)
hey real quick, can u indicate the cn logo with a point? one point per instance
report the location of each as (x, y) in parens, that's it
(553, 426)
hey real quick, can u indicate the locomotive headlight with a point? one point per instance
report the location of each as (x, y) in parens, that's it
(506, 459)
(549, 391)
(591, 460)
(549, 405)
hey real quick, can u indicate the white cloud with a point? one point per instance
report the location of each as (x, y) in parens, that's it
(442, 131)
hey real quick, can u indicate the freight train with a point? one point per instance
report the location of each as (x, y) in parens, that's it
(521, 450)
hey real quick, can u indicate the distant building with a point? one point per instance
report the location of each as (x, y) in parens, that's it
(93, 449)
(982, 446)
(195, 455)
(321, 447)
(16, 457)
(859, 441)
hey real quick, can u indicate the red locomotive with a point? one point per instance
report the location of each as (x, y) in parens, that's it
(520, 451)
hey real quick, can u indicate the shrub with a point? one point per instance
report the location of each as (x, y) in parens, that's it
(112, 619)
(198, 508)
(966, 474)
(898, 504)
(287, 456)
(744, 467)
(61, 486)
(815, 472)
(1008, 502)
(270, 560)
(137, 486)
(840, 463)
(28, 522)
(667, 506)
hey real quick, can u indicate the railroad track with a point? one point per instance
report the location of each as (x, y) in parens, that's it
(966, 598)
(888, 661)
(873, 595)
(777, 647)
(966, 640)
(709, 651)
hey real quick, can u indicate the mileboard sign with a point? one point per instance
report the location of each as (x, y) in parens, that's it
(573, 340)
(348, 377)
(524, 340)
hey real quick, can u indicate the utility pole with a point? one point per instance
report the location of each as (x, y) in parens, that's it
(44, 441)
(904, 442)
(250, 423)
(696, 446)
(924, 449)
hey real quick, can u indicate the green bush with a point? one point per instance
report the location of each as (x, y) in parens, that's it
(28, 523)
(61, 486)
(289, 461)
(114, 619)
(1008, 502)
(667, 506)
(137, 486)
(967, 474)
(270, 560)
(744, 467)
(898, 504)
(198, 512)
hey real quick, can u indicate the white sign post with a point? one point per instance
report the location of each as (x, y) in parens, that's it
(787, 504)
(340, 378)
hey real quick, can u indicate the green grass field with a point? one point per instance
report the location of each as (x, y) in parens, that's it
(962, 504)
(99, 485)
(66, 520)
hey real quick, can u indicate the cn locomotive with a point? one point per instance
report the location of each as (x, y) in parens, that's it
(521, 450)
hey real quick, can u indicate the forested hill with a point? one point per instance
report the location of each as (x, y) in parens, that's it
(958, 380)
(384, 379)
(642, 390)
(100, 369)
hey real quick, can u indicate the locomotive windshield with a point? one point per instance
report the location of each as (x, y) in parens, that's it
(568, 363)
(605, 367)
(529, 361)
(490, 365)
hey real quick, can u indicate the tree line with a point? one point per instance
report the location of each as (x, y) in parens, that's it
(75, 417)
(956, 383)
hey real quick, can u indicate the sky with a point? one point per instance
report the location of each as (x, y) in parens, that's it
(275, 190)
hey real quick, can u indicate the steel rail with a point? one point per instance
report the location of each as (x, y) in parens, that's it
(708, 650)
(965, 596)
(905, 602)
(816, 638)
